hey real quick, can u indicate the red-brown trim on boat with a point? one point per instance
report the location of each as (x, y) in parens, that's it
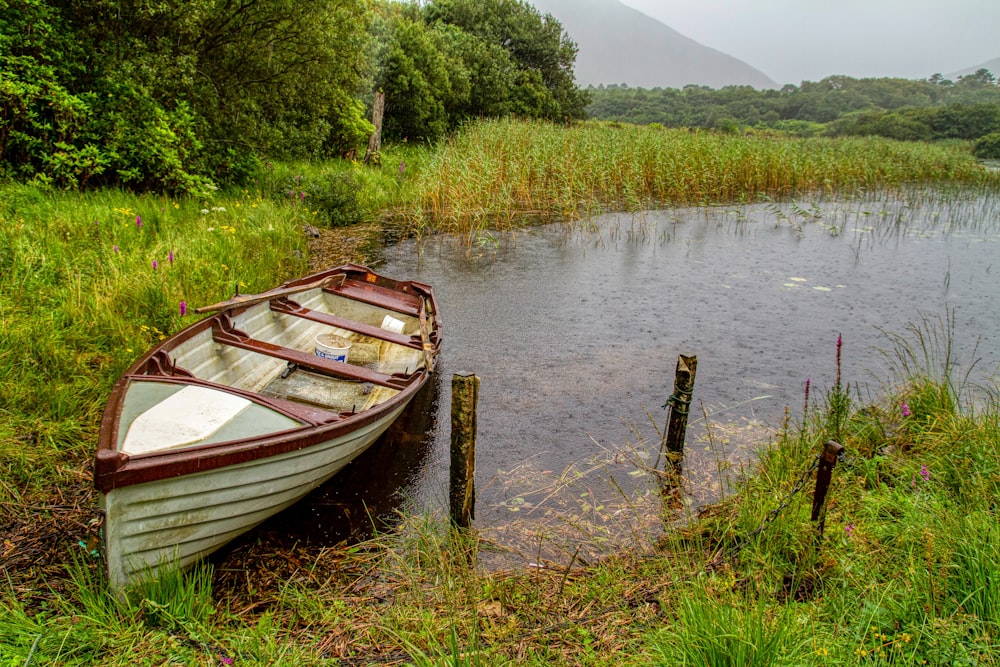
(114, 469)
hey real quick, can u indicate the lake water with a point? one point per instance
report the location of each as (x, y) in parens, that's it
(574, 332)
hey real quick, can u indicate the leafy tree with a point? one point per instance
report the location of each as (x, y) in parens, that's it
(419, 80)
(162, 94)
(39, 114)
(541, 51)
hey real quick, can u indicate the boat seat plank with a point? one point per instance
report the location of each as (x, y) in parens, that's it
(408, 304)
(228, 335)
(288, 307)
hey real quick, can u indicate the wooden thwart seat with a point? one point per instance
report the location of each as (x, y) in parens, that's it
(408, 304)
(288, 307)
(224, 332)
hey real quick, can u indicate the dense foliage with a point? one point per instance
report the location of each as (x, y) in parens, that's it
(451, 60)
(172, 95)
(934, 108)
(159, 95)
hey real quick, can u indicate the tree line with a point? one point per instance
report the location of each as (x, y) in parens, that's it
(170, 94)
(177, 94)
(929, 109)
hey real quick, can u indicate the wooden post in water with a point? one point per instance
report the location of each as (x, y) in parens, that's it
(462, 487)
(680, 404)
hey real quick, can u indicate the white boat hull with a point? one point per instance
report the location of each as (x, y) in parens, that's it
(182, 519)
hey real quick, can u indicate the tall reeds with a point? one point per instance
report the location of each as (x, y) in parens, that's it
(496, 171)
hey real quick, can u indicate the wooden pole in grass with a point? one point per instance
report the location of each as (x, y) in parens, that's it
(827, 460)
(462, 487)
(680, 404)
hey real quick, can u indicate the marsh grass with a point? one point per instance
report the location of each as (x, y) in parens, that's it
(495, 171)
(89, 281)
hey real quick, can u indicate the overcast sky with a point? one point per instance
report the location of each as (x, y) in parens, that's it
(796, 40)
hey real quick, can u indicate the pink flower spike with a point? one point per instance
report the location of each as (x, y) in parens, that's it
(156, 265)
(115, 248)
(184, 308)
(904, 409)
(849, 529)
(170, 257)
(925, 473)
(138, 222)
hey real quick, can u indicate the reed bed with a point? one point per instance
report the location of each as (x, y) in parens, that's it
(495, 172)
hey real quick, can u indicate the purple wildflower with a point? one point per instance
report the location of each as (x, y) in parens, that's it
(402, 167)
(184, 308)
(225, 659)
(138, 222)
(925, 473)
(904, 409)
(849, 529)
(156, 265)
(170, 257)
(115, 248)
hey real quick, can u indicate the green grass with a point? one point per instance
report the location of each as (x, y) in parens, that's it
(904, 573)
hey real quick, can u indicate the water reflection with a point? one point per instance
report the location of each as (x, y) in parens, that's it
(575, 331)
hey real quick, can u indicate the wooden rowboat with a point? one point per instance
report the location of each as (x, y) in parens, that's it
(243, 413)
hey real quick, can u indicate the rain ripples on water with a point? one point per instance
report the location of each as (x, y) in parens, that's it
(574, 331)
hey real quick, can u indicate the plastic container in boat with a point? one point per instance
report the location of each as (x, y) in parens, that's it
(390, 323)
(330, 346)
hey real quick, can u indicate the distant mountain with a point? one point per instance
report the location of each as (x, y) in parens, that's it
(992, 65)
(619, 44)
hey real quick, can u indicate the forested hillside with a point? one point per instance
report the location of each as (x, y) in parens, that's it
(172, 95)
(935, 108)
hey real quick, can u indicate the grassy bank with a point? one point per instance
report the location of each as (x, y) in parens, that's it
(904, 573)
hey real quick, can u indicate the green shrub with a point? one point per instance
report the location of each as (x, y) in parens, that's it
(334, 198)
(988, 147)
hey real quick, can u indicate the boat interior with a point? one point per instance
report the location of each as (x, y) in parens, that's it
(270, 349)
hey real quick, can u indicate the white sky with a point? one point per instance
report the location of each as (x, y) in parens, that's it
(796, 40)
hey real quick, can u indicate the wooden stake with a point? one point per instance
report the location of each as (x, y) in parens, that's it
(680, 403)
(374, 152)
(828, 459)
(462, 487)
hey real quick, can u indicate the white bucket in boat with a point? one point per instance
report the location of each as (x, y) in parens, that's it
(390, 323)
(330, 346)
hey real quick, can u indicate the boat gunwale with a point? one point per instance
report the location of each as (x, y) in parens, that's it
(115, 469)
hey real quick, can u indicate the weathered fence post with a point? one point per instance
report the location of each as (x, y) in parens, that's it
(462, 488)
(824, 473)
(680, 404)
(374, 152)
